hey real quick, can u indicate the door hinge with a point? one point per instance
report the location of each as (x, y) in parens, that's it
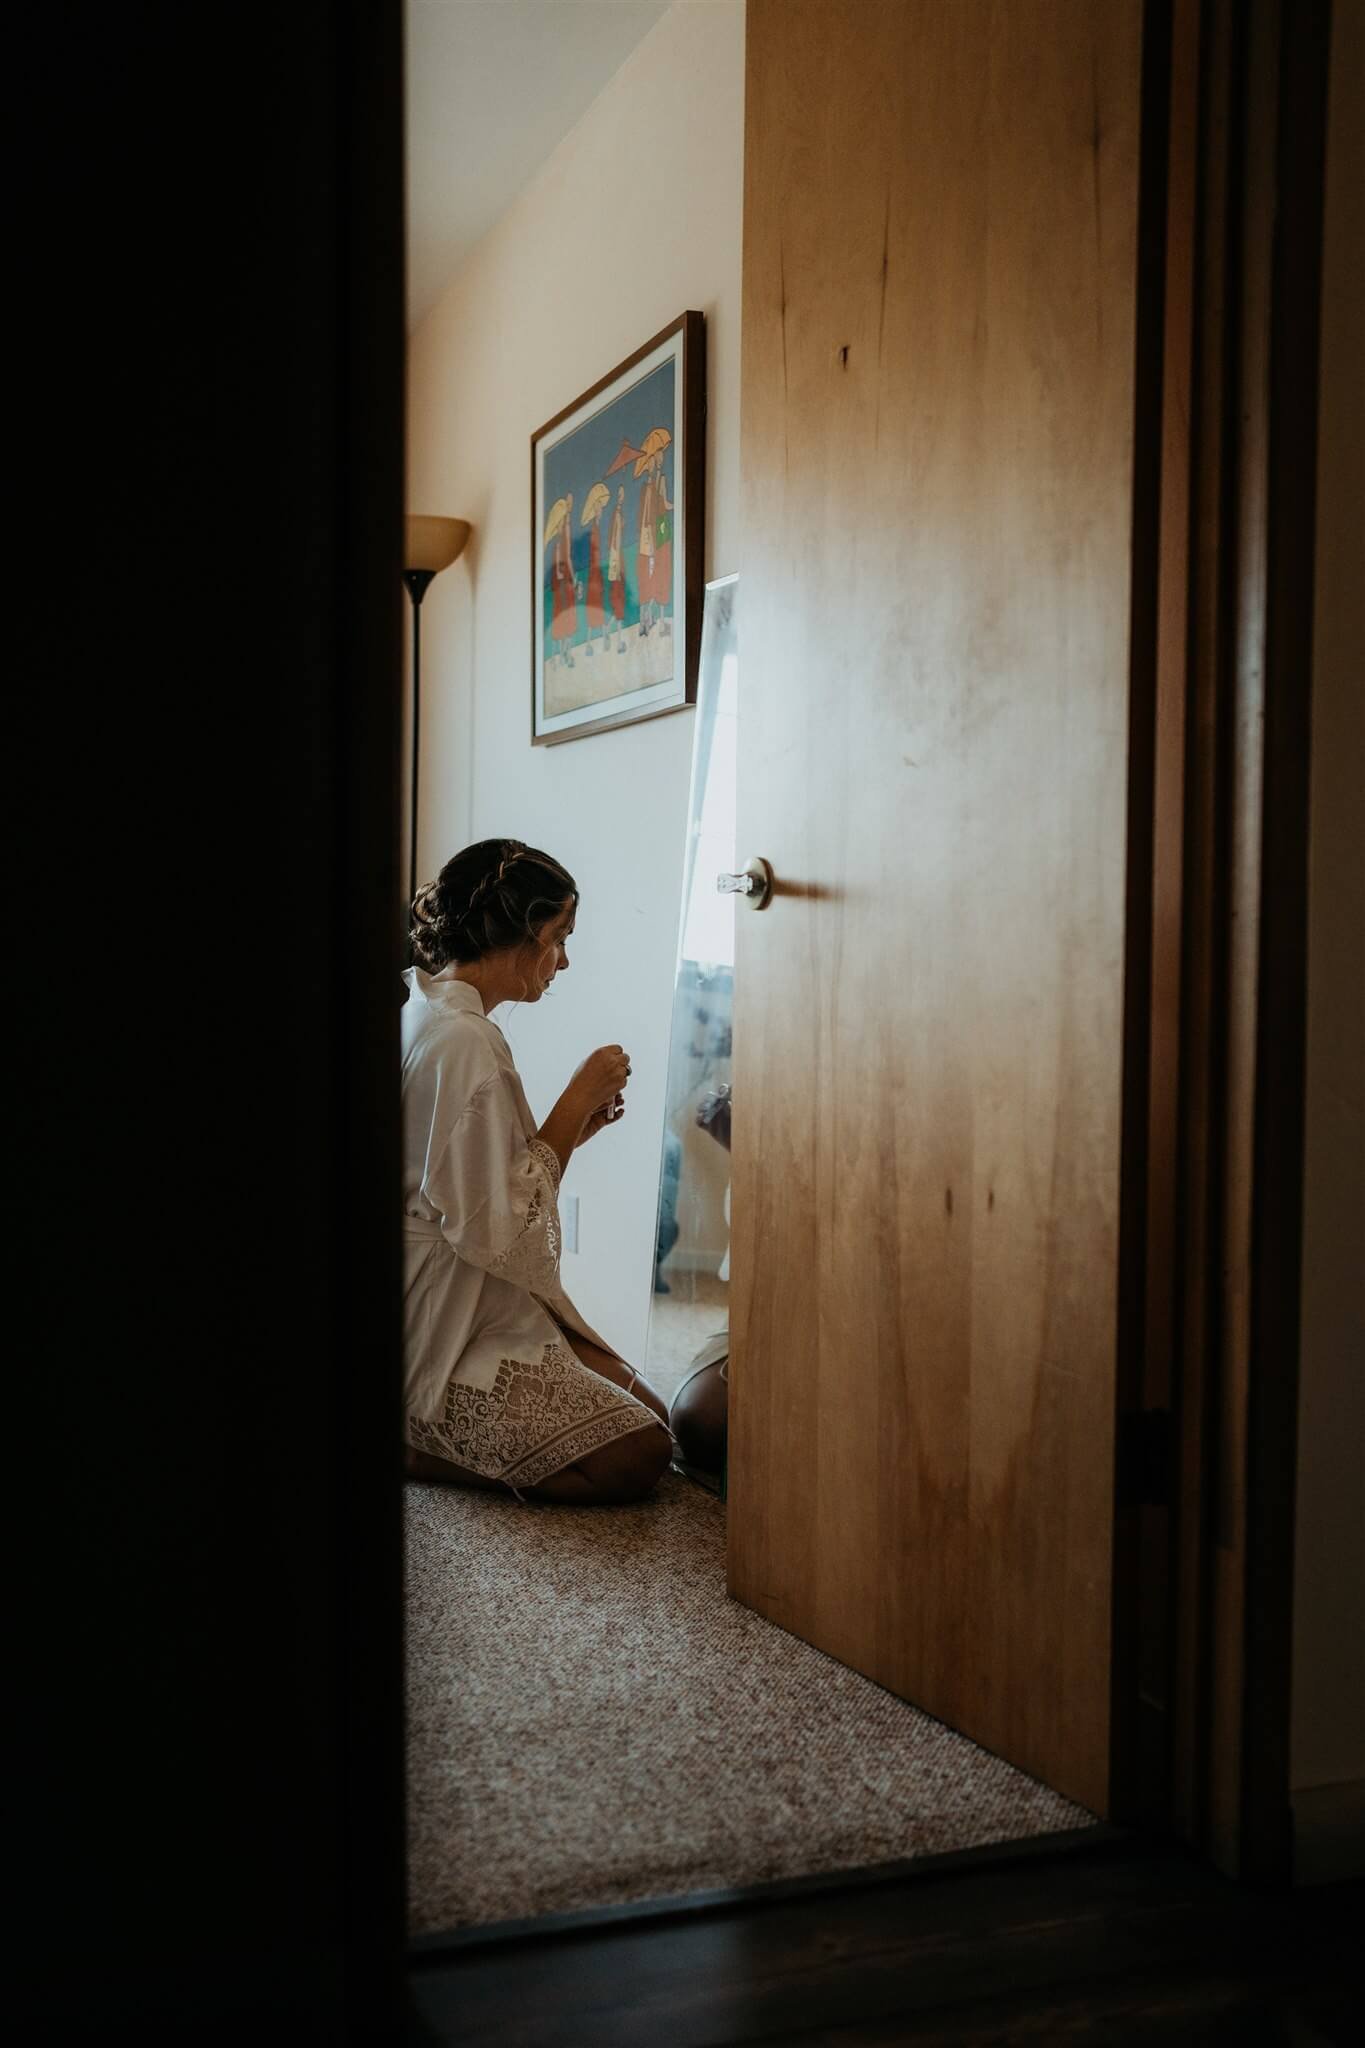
(1147, 1458)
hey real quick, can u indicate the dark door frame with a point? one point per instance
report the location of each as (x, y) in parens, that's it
(1248, 134)
(1234, 124)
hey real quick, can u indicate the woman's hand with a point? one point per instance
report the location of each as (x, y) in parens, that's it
(610, 1113)
(601, 1077)
(592, 1099)
(713, 1114)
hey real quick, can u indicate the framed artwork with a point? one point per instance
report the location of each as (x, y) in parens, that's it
(617, 532)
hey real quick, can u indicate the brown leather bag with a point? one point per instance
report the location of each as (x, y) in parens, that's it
(698, 1414)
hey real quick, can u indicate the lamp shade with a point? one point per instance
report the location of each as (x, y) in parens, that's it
(433, 544)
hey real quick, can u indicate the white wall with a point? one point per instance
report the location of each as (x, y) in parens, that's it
(1328, 1730)
(634, 219)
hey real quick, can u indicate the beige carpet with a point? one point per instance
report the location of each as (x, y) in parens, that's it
(592, 1720)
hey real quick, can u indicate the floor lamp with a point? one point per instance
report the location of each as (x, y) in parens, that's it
(431, 545)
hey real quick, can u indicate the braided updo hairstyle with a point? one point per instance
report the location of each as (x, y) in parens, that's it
(493, 895)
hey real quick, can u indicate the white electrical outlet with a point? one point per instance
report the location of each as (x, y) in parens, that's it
(568, 1222)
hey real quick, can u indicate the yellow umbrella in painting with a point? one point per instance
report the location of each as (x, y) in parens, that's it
(655, 442)
(597, 497)
(653, 446)
(559, 512)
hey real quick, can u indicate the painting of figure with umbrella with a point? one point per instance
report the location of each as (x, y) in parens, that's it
(617, 544)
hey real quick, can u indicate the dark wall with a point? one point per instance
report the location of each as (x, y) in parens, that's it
(203, 715)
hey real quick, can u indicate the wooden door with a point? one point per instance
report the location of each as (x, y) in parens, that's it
(940, 249)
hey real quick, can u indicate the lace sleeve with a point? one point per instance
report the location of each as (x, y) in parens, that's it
(548, 1159)
(532, 1258)
(497, 1194)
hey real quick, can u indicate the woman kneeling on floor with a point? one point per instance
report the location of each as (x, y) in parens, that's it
(506, 1385)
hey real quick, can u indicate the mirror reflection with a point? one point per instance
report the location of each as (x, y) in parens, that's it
(689, 1320)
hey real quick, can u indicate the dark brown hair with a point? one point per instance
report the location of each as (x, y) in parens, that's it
(493, 895)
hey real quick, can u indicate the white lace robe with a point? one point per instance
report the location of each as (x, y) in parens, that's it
(490, 1382)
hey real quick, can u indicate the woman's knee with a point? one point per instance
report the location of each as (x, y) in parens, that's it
(629, 1467)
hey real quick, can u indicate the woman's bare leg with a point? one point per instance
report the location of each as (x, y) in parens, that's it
(624, 1470)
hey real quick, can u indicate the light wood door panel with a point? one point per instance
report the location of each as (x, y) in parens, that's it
(937, 407)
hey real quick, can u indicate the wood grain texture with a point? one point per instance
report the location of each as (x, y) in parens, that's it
(939, 264)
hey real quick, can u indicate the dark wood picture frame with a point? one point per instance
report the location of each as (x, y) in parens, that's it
(614, 607)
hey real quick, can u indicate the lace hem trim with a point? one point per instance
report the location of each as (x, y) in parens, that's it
(534, 1420)
(552, 1458)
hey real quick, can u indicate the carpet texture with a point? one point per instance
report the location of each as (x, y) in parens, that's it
(592, 1720)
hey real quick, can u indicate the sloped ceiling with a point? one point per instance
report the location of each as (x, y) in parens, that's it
(492, 87)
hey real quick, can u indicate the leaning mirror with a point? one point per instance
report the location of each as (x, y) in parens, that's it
(689, 1319)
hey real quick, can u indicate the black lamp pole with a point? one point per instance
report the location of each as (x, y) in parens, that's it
(435, 544)
(416, 581)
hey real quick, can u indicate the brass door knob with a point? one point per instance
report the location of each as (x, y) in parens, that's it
(754, 883)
